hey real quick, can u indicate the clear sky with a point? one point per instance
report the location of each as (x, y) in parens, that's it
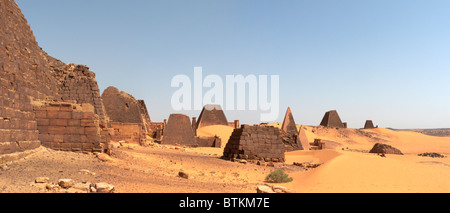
(384, 60)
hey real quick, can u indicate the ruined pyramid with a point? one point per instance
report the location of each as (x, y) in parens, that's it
(178, 131)
(211, 114)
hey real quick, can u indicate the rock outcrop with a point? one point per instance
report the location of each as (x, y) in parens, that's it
(380, 148)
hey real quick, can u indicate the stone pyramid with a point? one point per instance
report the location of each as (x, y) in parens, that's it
(332, 119)
(211, 114)
(179, 131)
(303, 139)
(369, 125)
(289, 123)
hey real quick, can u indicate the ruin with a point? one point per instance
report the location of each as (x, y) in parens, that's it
(178, 131)
(303, 139)
(211, 115)
(30, 77)
(289, 123)
(380, 148)
(317, 145)
(290, 135)
(209, 141)
(128, 117)
(369, 125)
(255, 143)
(332, 120)
(68, 126)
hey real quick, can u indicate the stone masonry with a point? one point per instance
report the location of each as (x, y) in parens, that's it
(255, 143)
(67, 126)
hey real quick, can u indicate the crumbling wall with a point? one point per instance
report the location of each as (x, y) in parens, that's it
(79, 84)
(29, 75)
(24, 76)
(129, 132)
(123, 108)
(209, 141)
(69, 127)
(255, 143)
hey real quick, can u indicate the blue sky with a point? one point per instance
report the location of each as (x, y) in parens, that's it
(388, 61)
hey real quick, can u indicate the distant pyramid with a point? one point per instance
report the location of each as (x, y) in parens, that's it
(179, 131)
(332, 119)
(212, 114)
(369, 125)
(303, 139)
(289, 123)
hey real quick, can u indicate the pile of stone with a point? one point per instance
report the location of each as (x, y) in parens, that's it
(69, 185)
(307, 165)
(380, 148)
(432, 154)
(266, 189)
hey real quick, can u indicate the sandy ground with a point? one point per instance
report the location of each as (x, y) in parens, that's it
(346, 166)
(136, 169)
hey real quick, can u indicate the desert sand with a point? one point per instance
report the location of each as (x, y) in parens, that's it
(346, 166)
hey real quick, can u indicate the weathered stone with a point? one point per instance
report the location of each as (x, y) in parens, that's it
(280, 189)
(66, 183)
(183, 175)
(104, 188)
(84, 187)
(264, 190)
(385, 149)
(103, 157)
(179, 131)
(42, 180)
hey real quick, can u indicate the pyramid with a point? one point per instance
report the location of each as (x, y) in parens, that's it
(212, 114)
(289, 123)
(179, 131)
(303, 139)
(332, 119)
(369, 125)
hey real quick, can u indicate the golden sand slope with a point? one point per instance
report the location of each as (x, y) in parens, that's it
(347, 167)
(355, 172)
(223, 132)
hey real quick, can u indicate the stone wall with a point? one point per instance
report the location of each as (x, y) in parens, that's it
(129, 132)
(255, 143)
(24, 76)
(79, 84)
(69, 127)
(28, 74)
(209, 141)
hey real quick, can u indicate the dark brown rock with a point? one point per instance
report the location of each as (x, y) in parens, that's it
(385, 149)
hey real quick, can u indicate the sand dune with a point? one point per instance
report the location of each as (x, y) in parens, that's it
(347, 167)
(223, 132)
(354, 172)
